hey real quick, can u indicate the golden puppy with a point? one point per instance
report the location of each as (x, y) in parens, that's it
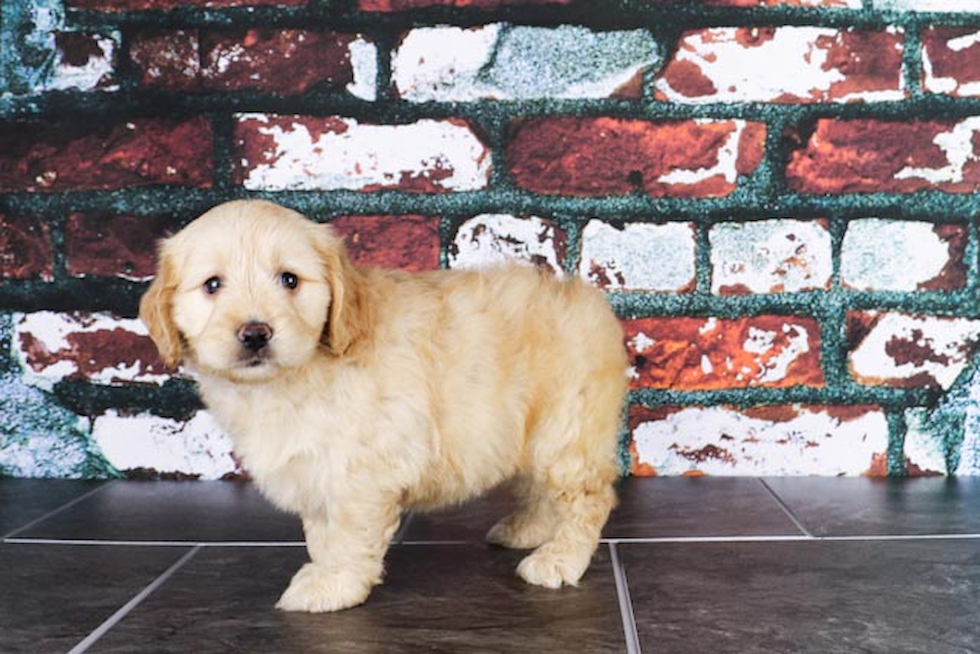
(354, 394)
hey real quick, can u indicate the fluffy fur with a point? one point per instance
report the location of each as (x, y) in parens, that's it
(382, 392)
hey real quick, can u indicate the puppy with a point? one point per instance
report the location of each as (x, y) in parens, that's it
(355, 394)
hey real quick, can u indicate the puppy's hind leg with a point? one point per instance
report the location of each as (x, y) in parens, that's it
(532, 524)
(573, 461)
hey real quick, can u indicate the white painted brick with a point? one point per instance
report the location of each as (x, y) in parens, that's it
(493, 239)
(98, 347)
(193, 447)
(503, 62)
(364, 63)
(655, 257)
(789, 64)
(892, 255)
(98, 72)
(725, 441)
(309, 153)
(770, 256)
(928, 5)
(957, 146)
(924, 449)
(901, 348)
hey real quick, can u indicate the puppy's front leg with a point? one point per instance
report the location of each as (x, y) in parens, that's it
(347, 545)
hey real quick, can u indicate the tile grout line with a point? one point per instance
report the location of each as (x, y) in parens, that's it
(625, 603)
(51, 514)
(117, 617)
(789, 512)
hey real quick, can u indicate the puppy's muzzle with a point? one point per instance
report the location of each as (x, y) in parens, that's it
(254, 335)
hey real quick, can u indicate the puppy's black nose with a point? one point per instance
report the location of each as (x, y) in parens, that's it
(254, 335)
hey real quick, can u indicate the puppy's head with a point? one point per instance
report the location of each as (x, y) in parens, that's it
(251, 290)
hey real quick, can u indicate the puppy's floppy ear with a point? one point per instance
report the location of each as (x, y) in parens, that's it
(351, 312)
(156, 311)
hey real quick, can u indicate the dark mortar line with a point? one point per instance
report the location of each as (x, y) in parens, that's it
(930, 206)
(7, 364)
(384, 85)
(58, 229)
(573, 228)
(845, 395)
(897, 429)
(447, 232)
(223, 153)
(833, 342)
(176, 399)
(912, 69)
(971, 256)
(618, 15)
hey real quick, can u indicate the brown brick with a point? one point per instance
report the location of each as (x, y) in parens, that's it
(166, 5)
(286, 62)
(402, 5)
(603, 156)
(25, 248)
(107, 245)
(949, 58)
(866, 155)
(80, 156)
(405, 242)
(685, 353)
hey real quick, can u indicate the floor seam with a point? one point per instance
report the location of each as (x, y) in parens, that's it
(785, 507)
(63, 507)
(117, 617)
(625, 603)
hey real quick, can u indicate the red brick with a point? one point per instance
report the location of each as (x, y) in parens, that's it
(710, 353)
(107, 245)
(402, 5)
(856, 4)
(405, 242)
(166, 5)
(99, 348)
(820, 64)
(25, 248)
(87, 155)
(602, 156)
(866, 155)
(950, 56)
(286, 62)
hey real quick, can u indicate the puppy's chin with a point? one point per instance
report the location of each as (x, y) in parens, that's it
(244, 370)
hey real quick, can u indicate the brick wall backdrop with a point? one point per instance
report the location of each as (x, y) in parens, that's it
(780, 197)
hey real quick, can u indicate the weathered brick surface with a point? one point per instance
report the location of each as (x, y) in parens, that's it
(405, 242)
(949, 61)
(194, 448)
(775, 440)
(770, 256)
(867, 155)
(100, 348)
(166, 5)
(815, 64)
(710, 353)
(504, 62)
(84, 62)
(110, 245)
(899, 255)
(402, 5)
(639, 256)
(309, 153)
(493, 239)
(609, 156)
(852, 4)
(25, 248)
(83, 156)
(927, 5)
(897, 349)
(286, 62)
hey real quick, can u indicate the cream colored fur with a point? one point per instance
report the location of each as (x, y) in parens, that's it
(382, 392)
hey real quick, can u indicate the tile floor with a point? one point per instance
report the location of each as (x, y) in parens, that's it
(687, 565)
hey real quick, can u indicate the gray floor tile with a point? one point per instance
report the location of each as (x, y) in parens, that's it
(815, 596)
(53, 596)
(25, 500)
(448, 598)
(175, 511)
(829, 506)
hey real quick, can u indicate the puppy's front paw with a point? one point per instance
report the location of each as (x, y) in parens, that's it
(550, 568)
(321, 589)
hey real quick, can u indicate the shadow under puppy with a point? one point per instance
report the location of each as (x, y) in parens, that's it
(355, 394)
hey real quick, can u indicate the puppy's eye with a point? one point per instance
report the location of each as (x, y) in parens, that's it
(212, 285)
(289, 280)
